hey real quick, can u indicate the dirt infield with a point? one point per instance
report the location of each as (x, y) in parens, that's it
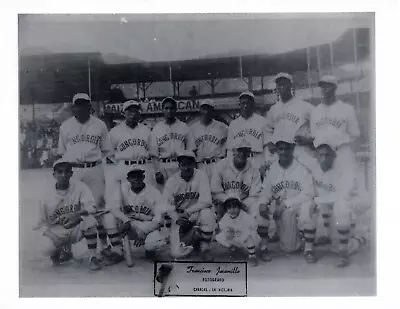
(284, 276)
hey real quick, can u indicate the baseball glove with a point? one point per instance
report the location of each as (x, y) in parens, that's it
(184, 221)
(69, 221)
(264, 211)
(160, 178)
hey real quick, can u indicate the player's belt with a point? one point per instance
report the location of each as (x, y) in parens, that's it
(85, 164)
(130, 162)
(209, 161)
(168, 160)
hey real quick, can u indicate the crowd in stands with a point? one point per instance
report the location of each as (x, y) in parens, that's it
(38, 144)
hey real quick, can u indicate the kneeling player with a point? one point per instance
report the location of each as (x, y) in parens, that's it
(188, 196)
(66, 216)
(238, 229)
(335, 198)
(133, 213)
(287, 193)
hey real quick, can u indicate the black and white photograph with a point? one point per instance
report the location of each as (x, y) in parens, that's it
(197, 155)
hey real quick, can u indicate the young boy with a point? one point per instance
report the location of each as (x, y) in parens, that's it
(238, 229)
(66, 216)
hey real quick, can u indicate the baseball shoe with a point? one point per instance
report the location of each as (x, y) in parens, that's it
(150, 255)
(274, 238)
(106, 252)
(253, 261)
(310, 257)
(206, 256)
(265, 255)
(182, 252)
(95, 264)
(344, 259)
(323, 240)
(65, 256)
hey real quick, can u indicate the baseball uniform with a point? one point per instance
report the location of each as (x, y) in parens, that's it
(227, 179)
(85, 145)
(291, 118)
(253, 130)
(294, 186)
(210, 144)
(167, 141)
(131, 146)
(59, 202)
(336, 125)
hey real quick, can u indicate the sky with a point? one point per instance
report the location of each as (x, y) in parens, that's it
(181, 36)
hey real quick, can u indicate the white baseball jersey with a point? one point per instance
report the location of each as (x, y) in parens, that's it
(210, 140)
(336, 123)
(242, 225)
(60, 202)
(294, 184)
(135, 205)
(168, 140)
(226, 179)
(196, 191)
(336, 184)
(86, 142)
(130, 144)
(291, 118)
(252, 130)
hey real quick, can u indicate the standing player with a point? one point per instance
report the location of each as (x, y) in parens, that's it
(290, 116)
(336, 187)
(130, 141)
(250, 127)
(168, 138)
(188, 197)
(84, 141)
(335, 122)
(210, 138)
(288, 194)
(66, 215)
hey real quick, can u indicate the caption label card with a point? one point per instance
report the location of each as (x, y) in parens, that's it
(200, 279)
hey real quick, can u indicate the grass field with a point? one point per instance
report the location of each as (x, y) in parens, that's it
(284, 276)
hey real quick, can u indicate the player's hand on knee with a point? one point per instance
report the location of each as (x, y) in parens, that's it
(264, 211)
(160, 179)
(70, 220)
(229, 233)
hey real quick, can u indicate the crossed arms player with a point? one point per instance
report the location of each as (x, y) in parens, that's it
(168, 138)
(210, 138)
(188, 197)
(66, 216)
(288, 193)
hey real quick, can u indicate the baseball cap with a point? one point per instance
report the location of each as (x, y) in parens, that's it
(81, 96)
(243, 145)
(328, 79)
(169, 99)
(130, 103)
(135, 169)
(61, 162)
(246, 94)
(285, 76)
(208, 102)
(283, 138)
(186, 154)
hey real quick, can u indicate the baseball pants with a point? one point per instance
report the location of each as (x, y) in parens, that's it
(93, 177)
(241, 242)
(208, 167)
(70, 236)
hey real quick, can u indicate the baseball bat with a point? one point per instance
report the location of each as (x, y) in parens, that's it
(128, 251)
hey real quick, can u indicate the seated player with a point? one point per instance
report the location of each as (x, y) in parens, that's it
(134, 212)
(335, 186)
(67, 216)
(238, 229)
(188, 197)
(288, 194)
(236, 175)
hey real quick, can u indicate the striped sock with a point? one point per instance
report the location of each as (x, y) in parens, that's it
(115, 239)
(343, 239)
(327, 223)
(102, 234)
(252, 251)
(91, 240)
(309, 236)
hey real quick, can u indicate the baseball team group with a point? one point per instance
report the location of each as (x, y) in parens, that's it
(186, 189)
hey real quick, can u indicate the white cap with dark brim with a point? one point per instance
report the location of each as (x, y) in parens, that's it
(61, 162)
(81, 96)
(186, 154)
(135, 169)
(130, 103)
(208, 102)
(246, 94)
(285, 76)
(328, 79)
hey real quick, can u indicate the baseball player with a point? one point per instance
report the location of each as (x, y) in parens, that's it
(238, 229)
(335, 122)
(336, 188)
(66, 215)
(134, 211)
(130, 141)
(236, 175)
(288, 193)
(168, 138)
(210, 138)
(250, 127)
(290, 116)
(84, 141)
(187, 194)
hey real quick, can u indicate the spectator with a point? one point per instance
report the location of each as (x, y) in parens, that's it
(193, 92)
